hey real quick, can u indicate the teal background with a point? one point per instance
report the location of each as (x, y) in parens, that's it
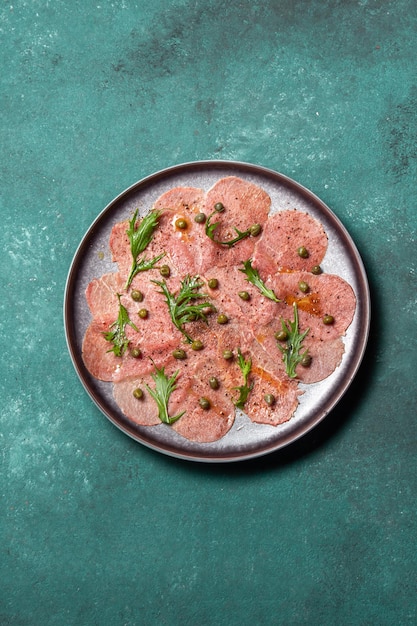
(95, 528)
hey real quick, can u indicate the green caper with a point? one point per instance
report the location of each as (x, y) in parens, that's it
(204, 403)
(137, 295)
(316, 269)
(135, 352)
(255, 230)
(181, 223)
(214, 383)
(197, 345)
(138, 393)
(302, 285)
(244, 295)
(303, 252)
(143, 313)
(165, 271)
(200, 218)
(228, 355)
(328, 320)
(213, 283)
(219, 207)
(179, 354)
(269, 399)
(281, 335)
(222, 318)
(306, 360)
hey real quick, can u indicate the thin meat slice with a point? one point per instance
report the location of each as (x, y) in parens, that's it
(188, 249)
(101, 295)
(326, 356)
(144, 410)
(287, 231)
(245, 204)
(269, 380)
(327, 294)
(101, 363)
(204, 425)
(120, 247)
(156, 336)
(255, 311)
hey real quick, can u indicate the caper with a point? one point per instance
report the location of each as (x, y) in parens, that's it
(135, 352)
(228, 355)
(281, 335)
(143, 313)
(302, 285)
(204, 403)
(306, 360)
(219, 207)
(138, 393)
(136, 295)
(165, 271)
(179, 354)
(181, 223)
(316, 269)
(303, 252)
(244, 295)
(222, 318)
(214, 383)
(197, 345)
(328, 320)
(255, 230)
(213, 283)
(269, 399)
(200, 218)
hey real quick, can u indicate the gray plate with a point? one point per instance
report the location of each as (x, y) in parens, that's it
(245, 440)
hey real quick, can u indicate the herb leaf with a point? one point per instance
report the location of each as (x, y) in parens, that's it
(210, 230)
(292, 354)
(182, 307)
(118, 336)
(164, 387)
(252, 276)
(140, 236)
(244, 390)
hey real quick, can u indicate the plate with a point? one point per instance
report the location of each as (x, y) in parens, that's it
(245, 440)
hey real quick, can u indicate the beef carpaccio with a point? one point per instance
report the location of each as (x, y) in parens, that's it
(257, 297)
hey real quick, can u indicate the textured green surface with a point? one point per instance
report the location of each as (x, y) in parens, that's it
(97, 530)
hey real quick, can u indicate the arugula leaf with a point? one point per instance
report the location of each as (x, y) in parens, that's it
(241, 234)
(252, 276)
(182, 307)
(118, 336)
(292, 354)
(164, 387)
(245, 389)
(140, 236)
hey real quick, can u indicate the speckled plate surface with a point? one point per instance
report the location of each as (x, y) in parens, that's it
(245, 440)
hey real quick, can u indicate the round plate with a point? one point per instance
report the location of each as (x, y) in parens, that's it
(245, 440)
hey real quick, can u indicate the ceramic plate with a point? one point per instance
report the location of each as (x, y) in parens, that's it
(245, 440)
